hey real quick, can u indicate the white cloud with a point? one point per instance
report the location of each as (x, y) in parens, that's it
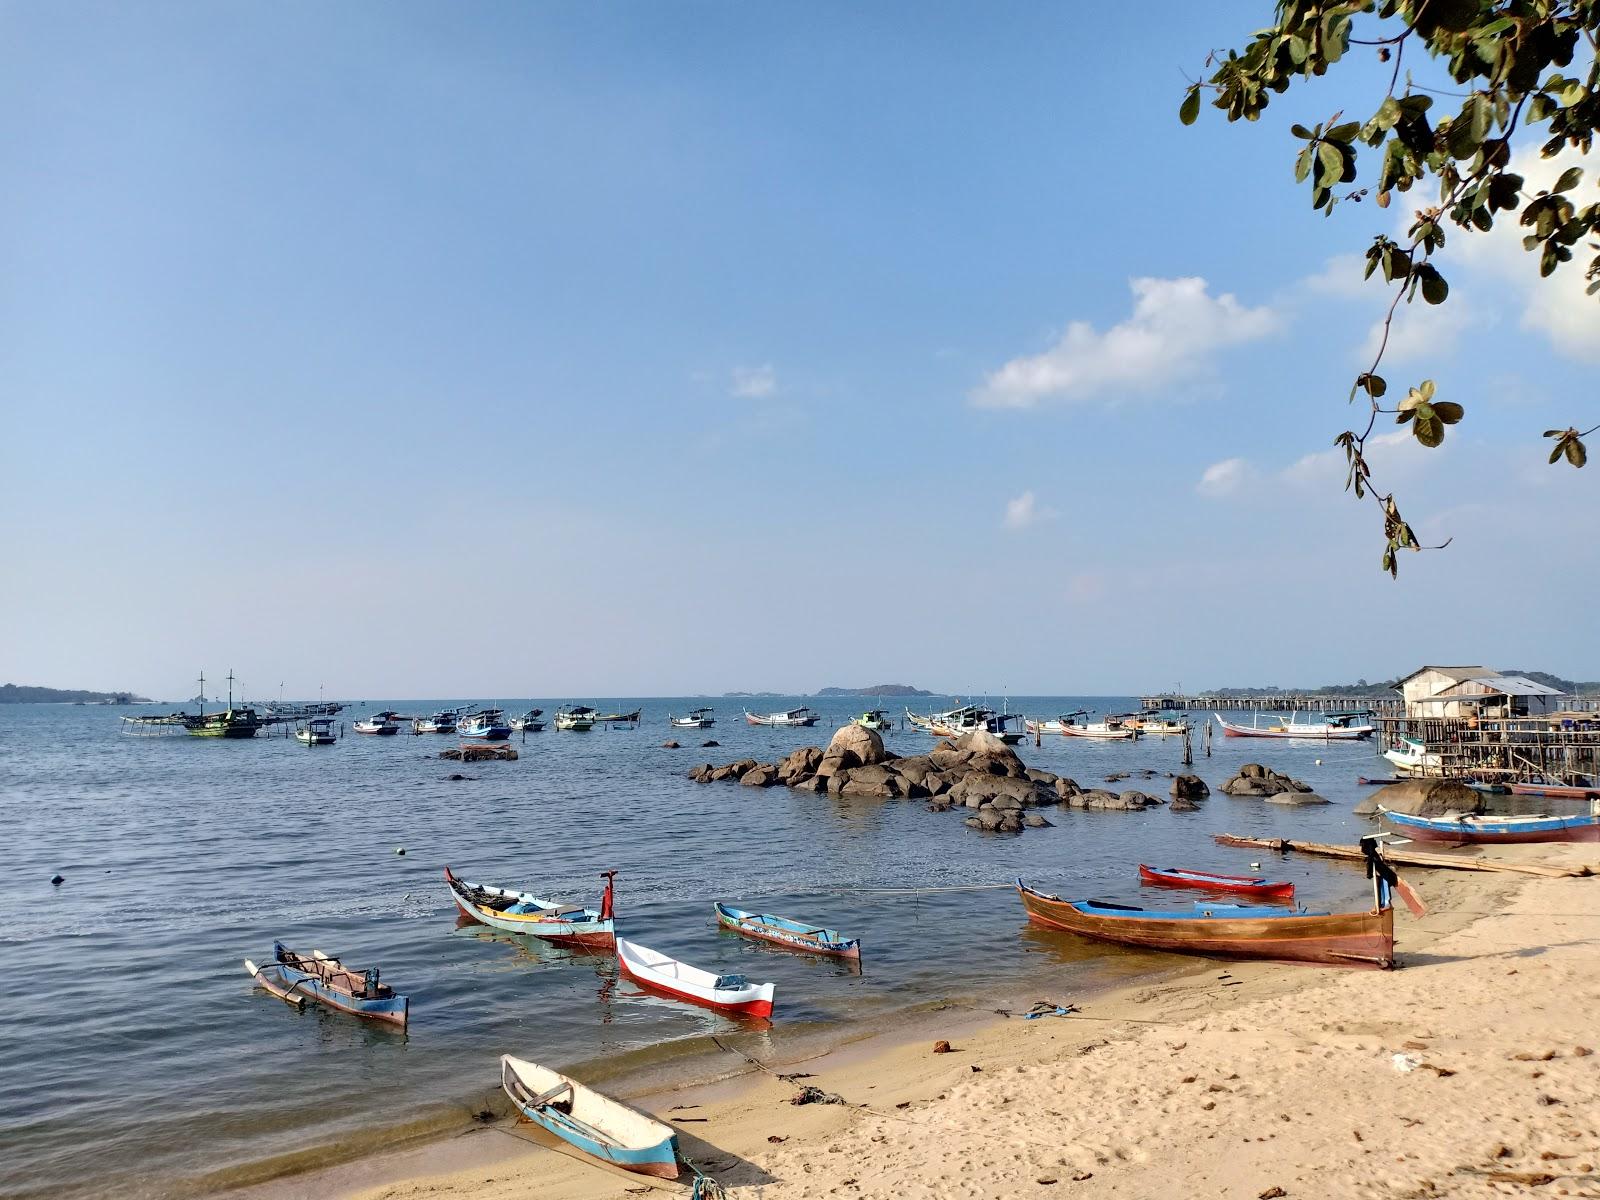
(1024, 510)
(754, 383)
(1224, 478)
(1344, 276)
(1420, 331)
(1175, 328)
(1388, 454)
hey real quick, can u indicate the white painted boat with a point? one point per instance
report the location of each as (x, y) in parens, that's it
(1412, 758)
(1334, 727)
(1156, 726)
(699, 718)
(575, 718)
(726, 993)
(316, 732)
(793, 716)
(591, 1122)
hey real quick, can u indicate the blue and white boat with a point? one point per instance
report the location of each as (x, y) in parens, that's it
(298, 979)
(590, 1122)
(489, 724)
(797, 935)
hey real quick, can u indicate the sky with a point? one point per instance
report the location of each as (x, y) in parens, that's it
(536, 349)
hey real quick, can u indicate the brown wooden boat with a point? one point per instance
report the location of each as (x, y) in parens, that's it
(1358, 939)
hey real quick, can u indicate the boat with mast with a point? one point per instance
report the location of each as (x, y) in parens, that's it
(575, 718)
(1077, 724)
(231, 723)
(443, 721)
(487, 723)
(383, 724)
(529, 721)
(697, 718)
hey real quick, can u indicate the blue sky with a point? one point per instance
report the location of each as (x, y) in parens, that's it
(509, 349)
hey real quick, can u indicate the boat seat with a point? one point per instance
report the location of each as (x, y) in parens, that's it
(565, 910)
(731, 983)
(544, 1098)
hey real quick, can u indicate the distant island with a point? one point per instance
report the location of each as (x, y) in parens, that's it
(877, 689)
(12, 694)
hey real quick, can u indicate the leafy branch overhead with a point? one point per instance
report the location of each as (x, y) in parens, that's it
(1528, 67)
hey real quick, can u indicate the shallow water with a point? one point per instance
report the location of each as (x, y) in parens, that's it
(137, 1059)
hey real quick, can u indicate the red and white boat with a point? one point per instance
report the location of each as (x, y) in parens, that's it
(1334, 727)
(725, 993)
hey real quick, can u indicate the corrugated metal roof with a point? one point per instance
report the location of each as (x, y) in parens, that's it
(1518, 685)
(1459, 674)
(1495, 685)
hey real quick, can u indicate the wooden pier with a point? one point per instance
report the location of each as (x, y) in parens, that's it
(1548, 747)
(1275, 702)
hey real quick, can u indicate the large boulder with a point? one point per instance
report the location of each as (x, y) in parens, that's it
(915, 768)
(1296, 798)
(763, 775)
(1066, 788)
(702, 773)
(1189, 787)
(1254, 779)
(1184, 804)
(801, 764)
(1423, 798)
(733, 770)
(853, 746)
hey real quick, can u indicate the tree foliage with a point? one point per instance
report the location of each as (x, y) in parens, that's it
(1521, 70)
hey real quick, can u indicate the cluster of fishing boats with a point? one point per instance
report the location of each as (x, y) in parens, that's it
(1113, 727)
(491, 724)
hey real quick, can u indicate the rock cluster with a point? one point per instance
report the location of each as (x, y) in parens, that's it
(1254, 779)
(1187, 790)
(977, 772)
(1423, 798)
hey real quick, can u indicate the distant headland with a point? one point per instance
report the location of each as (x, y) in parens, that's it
(877, 689)
(10, 693)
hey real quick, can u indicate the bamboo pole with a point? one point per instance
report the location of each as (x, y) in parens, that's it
(1405, 858)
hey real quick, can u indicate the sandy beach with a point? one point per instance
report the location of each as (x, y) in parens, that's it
(1467, 1073)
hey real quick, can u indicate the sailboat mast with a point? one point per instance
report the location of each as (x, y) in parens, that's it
(202, 693)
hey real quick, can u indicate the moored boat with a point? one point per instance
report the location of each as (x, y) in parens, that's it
(575, 718)
(801, 716)
(382, 724)
(1334, 727)
(875, 719)
(529, 721)
(729, 993)
(797, 935)
(1237, 931)
(589, 1121)
(618, 718)
(1155, 726)
(317, 732)
(522, 912)
(298, 978)
(1497, 830)
(490, 724)
(698, 718)
(1412, 758)
(1244, 885)
(1556, 791)
(439, 722)
(1077, 724)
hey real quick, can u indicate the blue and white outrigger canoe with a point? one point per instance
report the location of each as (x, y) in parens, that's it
(593, 1123)
(298, 978)
(797, 935)
(523, 912)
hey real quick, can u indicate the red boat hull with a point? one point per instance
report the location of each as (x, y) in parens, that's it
(1243, 885)
(754, 1008)
(1556, 791)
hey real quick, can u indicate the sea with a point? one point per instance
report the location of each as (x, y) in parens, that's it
(137, 1059)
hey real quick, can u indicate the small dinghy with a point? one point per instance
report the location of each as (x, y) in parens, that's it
(597, 1125)
(797, 935)
(298, 978)
(726, 993)
(1244, 885)
(522, 912)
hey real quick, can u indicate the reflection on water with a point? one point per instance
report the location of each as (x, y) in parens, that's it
(182, 856)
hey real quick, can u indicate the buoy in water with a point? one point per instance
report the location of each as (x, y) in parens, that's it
(1319, 762)
(400, 850)
(57, 880)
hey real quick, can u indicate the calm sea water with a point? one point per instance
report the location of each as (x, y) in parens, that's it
(136, 1059)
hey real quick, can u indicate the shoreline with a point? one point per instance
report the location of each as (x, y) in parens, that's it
(885, 1076)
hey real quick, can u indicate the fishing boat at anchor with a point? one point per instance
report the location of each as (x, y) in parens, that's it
(618, 718)
(384, 724)
(729, 993)
(575, 718)
(1077, 724)
(1495, 830)
(439, 722)
(299, 978)
(522, 912)
(1155, 726)
(592, 1123)
(698, 718)
(1240, 931)
(875, 719)
(797, 935)
(1555, 791)
(1334, 727)
(317, 732)
(487, 723)
(1244, 885)
(529, 721)
(801, 716)
(1411, 758)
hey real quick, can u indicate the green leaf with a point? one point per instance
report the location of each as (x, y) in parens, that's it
(1301, 132)
(1332, 163)
(1576, 454)
(1448, 412)
(1570, 178)
(1189, 110)
(1427, 428)
(1426, 389)
(1345, 132)
(1302, 165)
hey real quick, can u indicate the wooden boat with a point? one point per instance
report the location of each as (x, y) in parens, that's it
(725, 993)
(382, 724)
(490, 724)
(522, 912)
(590, 1122)
(1077, 724)
(529, 721)
(1495, 830)
(1244, 885)
(1412, 759)
(699, 718)
(440, 722)
(984, 719)
(1334, 727)
(1556, 791)
(1155, 726)
(1238, 931)
(575, 718)
(951, 716)
(875, 719)
(794, 716)
(298, 978)
(797, 935)
(627, 718)
(316, 732)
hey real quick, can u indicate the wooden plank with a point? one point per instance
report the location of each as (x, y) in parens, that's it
(1405, 858)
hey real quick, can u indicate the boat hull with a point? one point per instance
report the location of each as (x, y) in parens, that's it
(655, 1151)
(748, 1001)
(1555, 791)
(825, 942)
(1490, 832)
(1352, 734)
(1333, 939)
(286, 983)
(1240, 885)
